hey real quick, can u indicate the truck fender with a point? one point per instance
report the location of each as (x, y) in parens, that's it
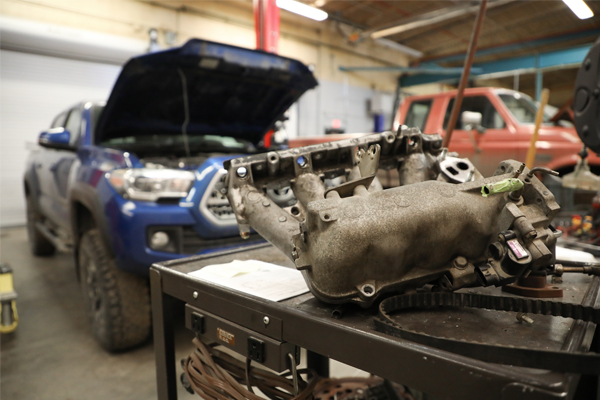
(83, 195)
(31, 184)
(570, 161)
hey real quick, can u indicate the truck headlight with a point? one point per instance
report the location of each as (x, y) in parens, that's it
(151, 184)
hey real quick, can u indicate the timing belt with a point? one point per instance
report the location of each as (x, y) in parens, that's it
(560, 361)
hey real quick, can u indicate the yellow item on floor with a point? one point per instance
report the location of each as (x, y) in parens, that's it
(8, 301)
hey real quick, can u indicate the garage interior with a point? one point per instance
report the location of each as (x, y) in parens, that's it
(371, 59)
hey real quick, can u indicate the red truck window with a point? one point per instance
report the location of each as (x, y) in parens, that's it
(417, 114)
(521, 107)
(490, 118)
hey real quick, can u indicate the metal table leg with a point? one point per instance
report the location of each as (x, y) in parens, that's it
(164, 341)
(318, 363)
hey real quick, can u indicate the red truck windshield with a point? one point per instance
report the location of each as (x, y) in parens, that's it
(521, 107)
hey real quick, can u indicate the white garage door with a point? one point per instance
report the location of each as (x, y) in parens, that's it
(33, 90)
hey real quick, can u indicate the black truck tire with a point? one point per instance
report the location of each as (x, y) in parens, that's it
(39, 244)
(118, 302)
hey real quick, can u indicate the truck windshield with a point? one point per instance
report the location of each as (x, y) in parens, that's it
(521, 107)
(206, 143)
(95, 113)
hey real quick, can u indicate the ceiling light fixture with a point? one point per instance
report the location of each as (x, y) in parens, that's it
(302, 9)
(579, 8)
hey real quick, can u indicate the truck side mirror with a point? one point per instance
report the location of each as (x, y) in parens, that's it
(56, 138)
(472, 120)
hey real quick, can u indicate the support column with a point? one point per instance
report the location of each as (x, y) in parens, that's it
(396, 104)
(539, 79)
(266, 25)
(539, 85)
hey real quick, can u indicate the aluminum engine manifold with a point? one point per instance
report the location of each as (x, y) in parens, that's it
(355, 241)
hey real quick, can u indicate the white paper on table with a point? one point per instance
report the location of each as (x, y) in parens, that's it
(563, 253)
(258, 278)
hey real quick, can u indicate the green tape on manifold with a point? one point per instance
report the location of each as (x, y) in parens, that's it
(506, 185)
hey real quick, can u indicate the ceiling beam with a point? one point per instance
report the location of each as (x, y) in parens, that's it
(427, 19)
(517, 45)
(399, 47)
(523, 65)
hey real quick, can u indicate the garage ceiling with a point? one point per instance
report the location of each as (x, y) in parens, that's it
(512, 29)
(507, 22)
(519, 23)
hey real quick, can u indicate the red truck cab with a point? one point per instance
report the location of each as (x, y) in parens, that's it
(507, 124)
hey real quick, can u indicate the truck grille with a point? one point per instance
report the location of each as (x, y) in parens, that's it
(218, 204)
(214, 205)
(192, 243)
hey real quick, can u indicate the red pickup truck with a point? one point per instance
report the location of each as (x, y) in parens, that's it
(504, 132)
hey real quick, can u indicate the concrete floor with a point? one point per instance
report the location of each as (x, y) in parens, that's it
(52, 354)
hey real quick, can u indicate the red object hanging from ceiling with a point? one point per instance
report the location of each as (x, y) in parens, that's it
(266, 25)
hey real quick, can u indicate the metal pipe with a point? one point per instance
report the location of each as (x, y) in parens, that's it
(466, 72)
(415, 70)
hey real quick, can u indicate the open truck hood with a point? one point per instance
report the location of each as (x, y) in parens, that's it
(229, 91)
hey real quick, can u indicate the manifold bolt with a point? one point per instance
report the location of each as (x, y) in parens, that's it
(460, 262)
(242, 172)
(522, 317)
(266, 320)
(195, 294)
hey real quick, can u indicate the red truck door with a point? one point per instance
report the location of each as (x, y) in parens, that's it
(487, 146)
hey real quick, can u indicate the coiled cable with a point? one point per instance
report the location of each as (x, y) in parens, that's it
(215, 375)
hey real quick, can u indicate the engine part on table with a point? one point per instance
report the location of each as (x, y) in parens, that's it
(560, 361)
(534, 285)
(564, 266)
(586, 101)
(582, 178)
(215, 375)
(353, 244)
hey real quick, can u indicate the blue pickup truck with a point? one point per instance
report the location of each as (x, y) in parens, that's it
(138, 179)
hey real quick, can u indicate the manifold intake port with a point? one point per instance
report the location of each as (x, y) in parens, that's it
(452, 170)
(462, 165)
(368, 290)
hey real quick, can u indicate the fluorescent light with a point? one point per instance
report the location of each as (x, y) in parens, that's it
(302, 9)
(579, 8)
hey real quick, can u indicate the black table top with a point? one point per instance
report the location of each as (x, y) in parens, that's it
(352, 339)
